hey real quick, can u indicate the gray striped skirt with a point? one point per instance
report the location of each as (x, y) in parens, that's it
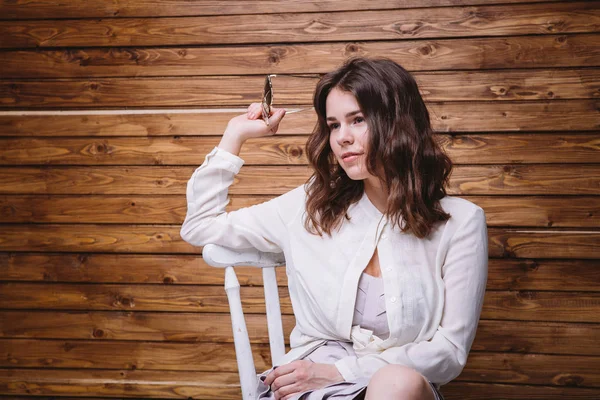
(329, 353)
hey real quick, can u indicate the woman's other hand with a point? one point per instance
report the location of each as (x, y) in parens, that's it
(249, 125)
(299, 376)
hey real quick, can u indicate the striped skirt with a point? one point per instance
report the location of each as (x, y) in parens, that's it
(329, 353)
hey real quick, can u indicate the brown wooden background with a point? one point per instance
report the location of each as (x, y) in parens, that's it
(100, 297)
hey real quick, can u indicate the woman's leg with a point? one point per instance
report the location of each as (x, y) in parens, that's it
(397, 382)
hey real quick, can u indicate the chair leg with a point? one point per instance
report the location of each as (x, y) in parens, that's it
(273, 315)
(243, 350)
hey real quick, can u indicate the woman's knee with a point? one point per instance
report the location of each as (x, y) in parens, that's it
(398, 382)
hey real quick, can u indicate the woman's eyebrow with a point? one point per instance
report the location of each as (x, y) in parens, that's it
(350, 114)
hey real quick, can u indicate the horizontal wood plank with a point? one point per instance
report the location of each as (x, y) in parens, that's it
(536, 337)
(493, 20)
(541, 306)
(492, 335)
(285, 150)
(504, 274)
(536, 369)
(225, 91)
(575, 50)
(120, 383)
(542, 369)
(222, 385)
(525, 211)
(258, 180)
(133, 326)
(86, 354)
(558, 115)
(496, 391)
(513, 243)
(543, 243)
(100, 238)
(503, 305)
(45, 9)
(555, 179)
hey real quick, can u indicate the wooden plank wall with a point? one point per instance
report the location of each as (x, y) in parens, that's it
(108, 106)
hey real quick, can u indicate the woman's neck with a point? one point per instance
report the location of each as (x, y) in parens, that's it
(376, 193)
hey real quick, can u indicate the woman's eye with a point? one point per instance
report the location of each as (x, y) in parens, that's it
(333, 126)
(359, 120)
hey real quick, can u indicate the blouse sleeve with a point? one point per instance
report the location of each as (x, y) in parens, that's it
(261, 226)
(443, 357)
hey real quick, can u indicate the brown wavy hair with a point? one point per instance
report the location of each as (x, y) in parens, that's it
(402, 151)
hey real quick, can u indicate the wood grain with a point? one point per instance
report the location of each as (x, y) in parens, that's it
(574, 50)
(492, 335)
(536, 337)
(496, 391)
(543, 243)
(96, 238)
(506, 243)
(132, 326)
(147, 356)
(504, 274)
(498, 336)
(499, 367)
(44, 9)
(120, 383)
(555, 115)
(285, 150)
(222, 385)
(197, 92)
(108, 268)
(504, 305)
(494, 20)
(535, 179)
(525, 211)
(541, 306)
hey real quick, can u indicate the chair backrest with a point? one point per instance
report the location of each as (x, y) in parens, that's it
(222, 257)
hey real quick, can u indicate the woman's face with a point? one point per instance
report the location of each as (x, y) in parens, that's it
(348, 133)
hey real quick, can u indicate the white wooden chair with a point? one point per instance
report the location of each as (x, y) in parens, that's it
(222, 257)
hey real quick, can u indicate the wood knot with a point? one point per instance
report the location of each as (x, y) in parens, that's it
(425, 50)
(127, 301)
(68, 346)
(319, 27)
(352, 48)
(168, 280)
(561, 39)
(296, 152)
(275, 55)
(182, 53)
(98, 333)
(94, 86)
(568, 380)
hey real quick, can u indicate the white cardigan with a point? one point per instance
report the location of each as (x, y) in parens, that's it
(434, 287)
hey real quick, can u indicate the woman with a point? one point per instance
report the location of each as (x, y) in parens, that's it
(386, 273)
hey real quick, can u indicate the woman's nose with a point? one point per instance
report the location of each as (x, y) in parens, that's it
(345, 136)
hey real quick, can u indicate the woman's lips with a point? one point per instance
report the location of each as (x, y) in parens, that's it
(350, 157)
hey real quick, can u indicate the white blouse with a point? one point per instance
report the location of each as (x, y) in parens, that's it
(434, 287)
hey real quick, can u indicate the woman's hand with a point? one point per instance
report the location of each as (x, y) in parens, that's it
(299, 376)
(249, 125)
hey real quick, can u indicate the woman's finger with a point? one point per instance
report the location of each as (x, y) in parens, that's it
(279, 371)
(276, 118)
(283, 385)
(254, 111)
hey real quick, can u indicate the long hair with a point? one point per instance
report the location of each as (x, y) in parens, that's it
(402, 151)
